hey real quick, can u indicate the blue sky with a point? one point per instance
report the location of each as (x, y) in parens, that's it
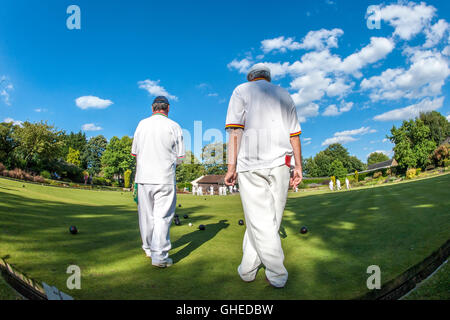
(351, 84)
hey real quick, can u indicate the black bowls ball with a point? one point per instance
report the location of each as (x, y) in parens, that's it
(73, 230)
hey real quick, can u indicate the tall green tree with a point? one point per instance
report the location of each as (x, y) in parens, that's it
(39, 143)
(337, 169)
(438, 124)
(93, 152)
(117, 157)
(190, 169)
(76, 141)
(413, 144)
(376, 157)
(214, 157)
(7, 143)
(73, 157)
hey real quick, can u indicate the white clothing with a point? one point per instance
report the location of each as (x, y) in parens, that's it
(156, 208)
(347, 183)
(338, 184)
(268, 116)
(331, 185)
(158, 147)
(264, 193)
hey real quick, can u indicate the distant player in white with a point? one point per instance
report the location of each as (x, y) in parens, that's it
(347, 183)
(338, 184)
(194, 190)
(211, 190)
(330, 185)
(263, 135)
(200, 191)
(158, 147)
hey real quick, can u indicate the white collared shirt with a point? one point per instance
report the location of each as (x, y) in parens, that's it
(268, 116)
(158, 146)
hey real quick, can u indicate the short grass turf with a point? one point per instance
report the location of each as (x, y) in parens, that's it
(392, 226)
(436, 287)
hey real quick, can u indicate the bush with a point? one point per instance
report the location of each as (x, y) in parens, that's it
(39, 179)
(410, 173)
(446, 162)
(114, 184)
(127, 178)
(377, 174)
(45, 174)
(100, 181)
(418, 171)
(2, 167)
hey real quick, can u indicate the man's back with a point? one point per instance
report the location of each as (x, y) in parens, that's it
(157, 144)
(269, 118)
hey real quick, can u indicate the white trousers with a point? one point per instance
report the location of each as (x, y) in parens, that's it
(156, 208)
(263, 194)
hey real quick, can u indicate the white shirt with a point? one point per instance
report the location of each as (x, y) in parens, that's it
(268, 116)
(158, 147)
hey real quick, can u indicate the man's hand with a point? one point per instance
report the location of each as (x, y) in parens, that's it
(231, 177)
(297, 177)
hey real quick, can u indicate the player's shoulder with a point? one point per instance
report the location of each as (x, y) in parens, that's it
(173, 124)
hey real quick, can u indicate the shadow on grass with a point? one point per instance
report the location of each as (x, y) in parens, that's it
(196, 239)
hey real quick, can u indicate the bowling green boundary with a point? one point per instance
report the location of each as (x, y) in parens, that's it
(394, 226)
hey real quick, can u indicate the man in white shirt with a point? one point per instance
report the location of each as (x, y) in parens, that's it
(347, 183)
(263, 136)
(158, 147)
(338, 184)
(330, 185)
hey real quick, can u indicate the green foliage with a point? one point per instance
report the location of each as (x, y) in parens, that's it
(376, 157)
(39, 143)
(127, 178)
(75, 141)
(93, 152)
(73, 157)
(117, 157)
(190, 169)
(214, 156)
(440, 155)
(45, 174)
(337, 169)
(438, 124)
(356, 176)
(377, 174)
(410, 173)
(320, 165)
(7, 144)
(412, 144)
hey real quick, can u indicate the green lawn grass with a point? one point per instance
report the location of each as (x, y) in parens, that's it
(437, 287)
(393, 226)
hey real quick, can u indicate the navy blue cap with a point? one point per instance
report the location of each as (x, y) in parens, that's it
(161, 99)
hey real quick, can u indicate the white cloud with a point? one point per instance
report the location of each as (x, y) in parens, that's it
(435, 33)
(242, 66)
(425, 77)
(321, 39)
(213, 94)
(90, 127)
(411, 111)
(14, 122)
(333, 110)
(407, 18)
(38, 110)
(88, 102)
(347, 136)
(307, 111)
(281, 44)
(5, 88)
(377, 49)
(154, 89)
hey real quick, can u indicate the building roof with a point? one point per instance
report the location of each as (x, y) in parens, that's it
(382, 165)
(212, 179)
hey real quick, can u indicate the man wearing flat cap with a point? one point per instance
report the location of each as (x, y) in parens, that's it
(158, 147)
(263, 137)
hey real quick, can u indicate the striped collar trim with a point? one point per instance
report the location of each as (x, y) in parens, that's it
(160, 114)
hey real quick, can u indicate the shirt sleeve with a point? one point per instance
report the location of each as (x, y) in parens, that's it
(179, 143)
(294, 126)
(236, 112)
(134, 147)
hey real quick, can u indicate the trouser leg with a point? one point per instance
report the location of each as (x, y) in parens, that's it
(163, 212)
(262, 203)
(146, 220)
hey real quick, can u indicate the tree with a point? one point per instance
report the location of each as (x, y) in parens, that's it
(214, 157)
(7, 143)
(127, 178)
(73, 157)
(438, 124)
(376, 157)
(413, 144)
(38, 143)
(337, 169)
(92, 154)
(117, 157)
(76, 141)
(190, 169)
(320, 165)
